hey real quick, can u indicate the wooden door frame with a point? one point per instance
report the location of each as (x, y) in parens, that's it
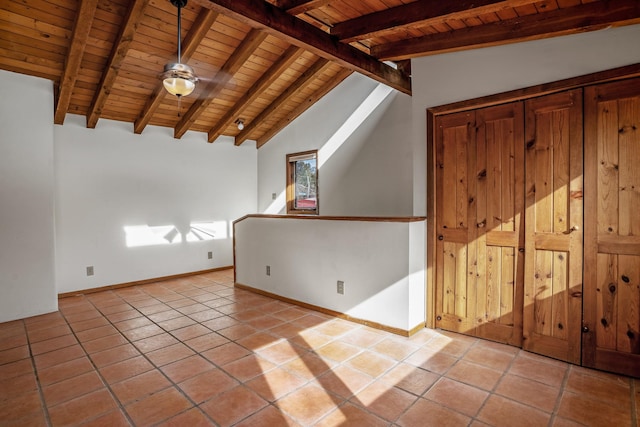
(615, 74)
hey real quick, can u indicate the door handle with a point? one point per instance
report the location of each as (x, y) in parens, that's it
(571, 230)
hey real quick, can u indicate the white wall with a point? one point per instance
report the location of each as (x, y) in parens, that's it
(363, 133)
(27, 275)
(109, 178)
(447, 78)
(380, 263)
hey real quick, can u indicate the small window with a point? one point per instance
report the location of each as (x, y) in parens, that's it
(302, 183)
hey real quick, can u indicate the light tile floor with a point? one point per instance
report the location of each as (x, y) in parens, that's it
(197, 352)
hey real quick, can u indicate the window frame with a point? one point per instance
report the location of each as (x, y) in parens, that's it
(292, 159)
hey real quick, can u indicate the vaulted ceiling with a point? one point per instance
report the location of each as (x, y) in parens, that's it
(264, 62)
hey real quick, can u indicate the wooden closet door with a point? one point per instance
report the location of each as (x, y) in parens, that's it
(479, 215)
(499, 222)
(553, 237)
(612, 235)
(455, 149)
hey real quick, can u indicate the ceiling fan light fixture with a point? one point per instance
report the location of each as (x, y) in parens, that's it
(179, 79)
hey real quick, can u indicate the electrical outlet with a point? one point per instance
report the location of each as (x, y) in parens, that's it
(90, 270)
(268, 270)
(210, 255)
(274, 196)
(340, 287)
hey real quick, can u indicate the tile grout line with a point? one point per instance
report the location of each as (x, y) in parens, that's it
(95, 368)
(337, 338)
(304, 351)
(159, 368)
(492, 391)
(348, 399)
(440, 377)
(107, 385)
(120, 405)
(505, 372)
(344, 399)
(196, 405)
(563, 385)
(240, 382)
(43, 404)
(443, 376)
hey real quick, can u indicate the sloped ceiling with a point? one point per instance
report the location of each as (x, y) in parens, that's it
(262, 62)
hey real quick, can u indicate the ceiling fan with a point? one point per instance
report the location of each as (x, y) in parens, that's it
(177, 78)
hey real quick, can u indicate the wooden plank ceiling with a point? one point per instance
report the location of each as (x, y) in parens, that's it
(264, 62)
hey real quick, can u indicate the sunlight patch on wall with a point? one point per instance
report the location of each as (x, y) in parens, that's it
(146, 235)
(368, 106)
(277, 205)
(207, 231)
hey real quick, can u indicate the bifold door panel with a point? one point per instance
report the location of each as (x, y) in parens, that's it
(479, 217)
(553, 224)
(612, 236)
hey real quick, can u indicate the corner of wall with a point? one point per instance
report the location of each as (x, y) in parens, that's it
(27, 266)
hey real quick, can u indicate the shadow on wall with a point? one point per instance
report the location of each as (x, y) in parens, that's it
(154, 235)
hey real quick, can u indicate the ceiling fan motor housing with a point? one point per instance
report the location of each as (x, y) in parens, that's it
(179, 3)
(179, 79)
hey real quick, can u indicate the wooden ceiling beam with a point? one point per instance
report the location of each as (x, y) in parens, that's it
(198, 31)
(261, 14)
(301, 108)
(118, 53)
(272, 74)
(311, 73)
(423, 12)
(81, 29)
(404, 65)
(246, 48)
(297, 7)
(572, 20)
